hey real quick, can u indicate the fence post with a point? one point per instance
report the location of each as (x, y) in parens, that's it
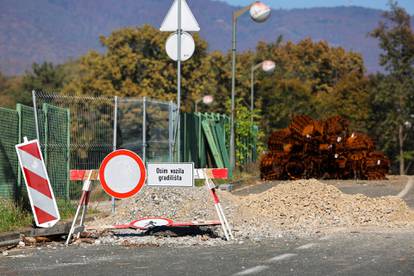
(199, 139)
(68, 155)
(45, 132)
(19, 174)
(35, 114)
(114, 138)
(144, 129)
(170, 131)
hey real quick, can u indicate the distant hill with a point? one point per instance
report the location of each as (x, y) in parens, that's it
(55, 30)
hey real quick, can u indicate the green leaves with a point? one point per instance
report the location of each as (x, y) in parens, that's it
(391, 98)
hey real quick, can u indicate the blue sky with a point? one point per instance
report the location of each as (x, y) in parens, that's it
(289, 4)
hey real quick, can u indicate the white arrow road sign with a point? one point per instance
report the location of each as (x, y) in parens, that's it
(188, 21)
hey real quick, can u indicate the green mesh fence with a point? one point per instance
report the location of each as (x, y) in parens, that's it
(56, 148)
(28, 123)
(54, 128)
(88, 135)
(9, 137)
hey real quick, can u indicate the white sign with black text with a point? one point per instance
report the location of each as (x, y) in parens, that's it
(170, 174)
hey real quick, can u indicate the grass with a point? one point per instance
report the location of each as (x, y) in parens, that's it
(67, 209)
(14, 217)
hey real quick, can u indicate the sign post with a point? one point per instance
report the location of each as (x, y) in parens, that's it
(178, 19)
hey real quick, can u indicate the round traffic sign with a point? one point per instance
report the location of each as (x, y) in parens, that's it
(187, 46)
(147, 223)
(122, 173)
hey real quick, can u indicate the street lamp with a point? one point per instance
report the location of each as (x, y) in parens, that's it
(259, 12)
(208, 99)
(267, 66)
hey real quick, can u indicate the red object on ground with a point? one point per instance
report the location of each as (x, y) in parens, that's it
(152, 222)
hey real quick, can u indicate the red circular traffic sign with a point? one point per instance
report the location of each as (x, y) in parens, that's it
(122, 173)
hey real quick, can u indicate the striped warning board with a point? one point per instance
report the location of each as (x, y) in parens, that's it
(211, 173)
(42, 199)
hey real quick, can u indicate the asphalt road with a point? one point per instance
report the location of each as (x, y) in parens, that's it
(356, 253)
(339, 254)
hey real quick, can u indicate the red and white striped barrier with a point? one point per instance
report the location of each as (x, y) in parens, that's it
(153, 222)
(206, 174)
(209, 174)
(42, 199)
(87, 176)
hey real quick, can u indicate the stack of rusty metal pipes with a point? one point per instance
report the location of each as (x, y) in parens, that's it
(322, 149)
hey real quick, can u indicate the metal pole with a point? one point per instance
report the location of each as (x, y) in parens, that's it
(196, 105)
(179, 80)
(251, 110)
(170, 131)
(35, 115)
(114, 138)
(251, 95)
(68, 157)
(233, 90)
(144, 129)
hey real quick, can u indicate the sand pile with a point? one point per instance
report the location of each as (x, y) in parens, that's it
(312, 204)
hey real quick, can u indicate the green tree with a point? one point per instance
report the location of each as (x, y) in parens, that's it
(311, 78)
(11, 91)
(135, 64)
(44, 77)
(396, 39)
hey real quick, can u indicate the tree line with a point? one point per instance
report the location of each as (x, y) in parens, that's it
(311, 77)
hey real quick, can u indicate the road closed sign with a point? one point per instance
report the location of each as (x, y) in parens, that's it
(122, 173)
(170, 174)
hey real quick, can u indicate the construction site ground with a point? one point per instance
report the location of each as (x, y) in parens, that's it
(358, 236)
(372, 188)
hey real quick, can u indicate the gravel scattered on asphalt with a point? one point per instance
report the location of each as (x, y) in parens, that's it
(292, 208)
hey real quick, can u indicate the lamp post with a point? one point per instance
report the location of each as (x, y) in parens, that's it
(208, 99)
(259, 12)
(267, 66)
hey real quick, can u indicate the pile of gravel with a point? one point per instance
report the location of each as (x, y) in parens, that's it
(179, 204)
(292, 208)
(309, 204)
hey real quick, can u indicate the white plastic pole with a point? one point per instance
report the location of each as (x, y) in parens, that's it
(225, 220)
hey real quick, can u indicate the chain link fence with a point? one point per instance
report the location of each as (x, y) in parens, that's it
(9, 137)
(99, 125)
(19, 123)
